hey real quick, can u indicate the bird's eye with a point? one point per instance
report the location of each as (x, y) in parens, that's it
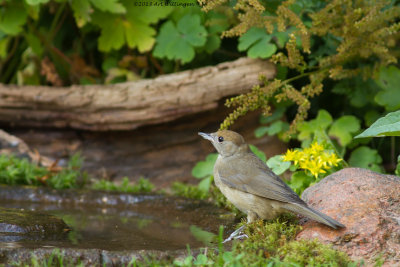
(220, 139)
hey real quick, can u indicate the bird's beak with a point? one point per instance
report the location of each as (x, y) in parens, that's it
(206, 136)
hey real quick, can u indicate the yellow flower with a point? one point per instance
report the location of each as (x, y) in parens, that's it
(314, 167)
(314, 159)
(316, 148)
(292, 155)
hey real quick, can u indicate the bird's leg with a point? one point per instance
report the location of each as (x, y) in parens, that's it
(238, 234)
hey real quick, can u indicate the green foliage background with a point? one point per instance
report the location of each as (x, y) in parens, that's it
(62, 42)
(336, 55)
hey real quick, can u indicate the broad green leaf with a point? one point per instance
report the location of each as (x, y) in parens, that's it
(112, 6)
(273, 129)
(166, 40)
(36, 2)
(261, 131)
(204, 168)
(82, 10)
(258, 152)
(365, 157)
(205, 184)
(112, 31)
(12, 18)
(278, 127)
(388, 78)
(146, 14)
(133, 29)
(202, 235)
(193, 32)
(277, 164)
(257, 43)
(321, 122)
(386, 126)
(139, 35)
(343, 128)
(262, 49)
(178, 42)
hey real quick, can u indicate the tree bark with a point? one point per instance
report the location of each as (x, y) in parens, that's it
(126, 106)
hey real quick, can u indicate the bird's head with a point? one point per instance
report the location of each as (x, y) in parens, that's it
(226, 142)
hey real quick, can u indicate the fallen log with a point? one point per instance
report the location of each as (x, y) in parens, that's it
(126, 106)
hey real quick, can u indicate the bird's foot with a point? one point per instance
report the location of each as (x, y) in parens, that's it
(237, 234)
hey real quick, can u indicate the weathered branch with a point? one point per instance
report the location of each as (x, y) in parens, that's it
(129, 105)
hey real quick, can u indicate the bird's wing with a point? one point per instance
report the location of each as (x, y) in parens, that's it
(258, 179)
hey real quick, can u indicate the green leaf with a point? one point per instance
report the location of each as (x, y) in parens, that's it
(371, 116)
(365, 157)
(257, 43)
(82, 10)
(213, 43)
(388, 78)
(343, 128)
(112, 31)
(192, 30)
(275, 128)
(12, 18)
(258, 152)
(139, 35)
(34, 43)
(112, 6)
(133, 29)
(358, 91)
(4, 46)
(204, 185)
(281, 38)
(277, 164)
(386, 126)
(321, 122)
(276, 115)
(204, 168)
(261, 131)
(36, 2)
(216, 22)
(178, 42)
(202, 235)
(300, 180)
(278, 127)
(147, 14)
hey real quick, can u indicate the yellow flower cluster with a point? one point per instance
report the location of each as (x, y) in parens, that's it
(313, 159)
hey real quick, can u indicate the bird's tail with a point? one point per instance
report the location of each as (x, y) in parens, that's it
(314, 214)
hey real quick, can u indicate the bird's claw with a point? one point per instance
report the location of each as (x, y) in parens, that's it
(237, 234)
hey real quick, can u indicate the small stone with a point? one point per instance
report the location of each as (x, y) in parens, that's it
(368, 204)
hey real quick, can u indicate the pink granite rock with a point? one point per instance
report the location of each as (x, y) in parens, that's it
(368, 203)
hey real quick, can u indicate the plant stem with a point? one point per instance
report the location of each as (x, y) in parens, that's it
(55, 22)
(304, 75)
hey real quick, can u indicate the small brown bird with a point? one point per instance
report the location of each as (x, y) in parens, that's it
(251, 186)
